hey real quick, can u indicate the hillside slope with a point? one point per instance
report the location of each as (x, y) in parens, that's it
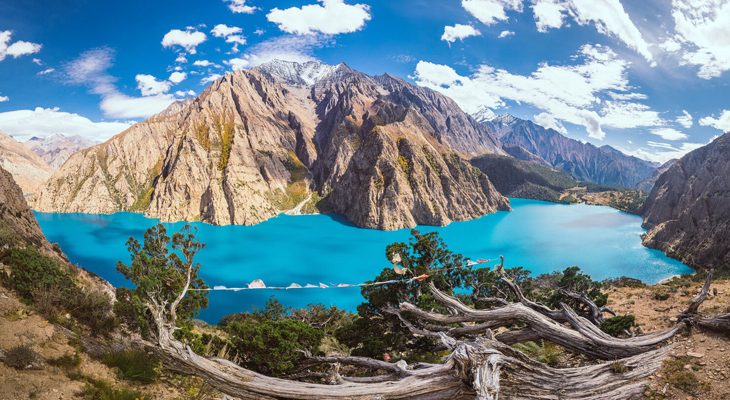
(27, 168)
(688, 210)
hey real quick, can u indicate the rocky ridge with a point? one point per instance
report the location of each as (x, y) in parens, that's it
(379, 151)
(603, 165)
(688, 210)
(27, 168)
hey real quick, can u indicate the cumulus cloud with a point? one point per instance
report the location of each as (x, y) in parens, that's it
(189, 39)
(458, 32)
(182, 93)
(15, 49)
(177, 77)
(331, 17)
(701, 35)
(579, 94)
(669, 133)
(4, 99)
(240, 7)
(685, 119)
(288, 48)
(41, 122)
(490, 12)
(90, 70)
(608, 16)
(204, 63)
(148, 85)
(210, 78)
(223, 30)
(505, 34)
(548, 121)
(722, 122)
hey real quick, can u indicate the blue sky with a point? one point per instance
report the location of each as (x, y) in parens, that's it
(649, 77)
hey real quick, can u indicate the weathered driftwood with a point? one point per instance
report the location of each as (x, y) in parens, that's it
(692, 316)
(481, 364)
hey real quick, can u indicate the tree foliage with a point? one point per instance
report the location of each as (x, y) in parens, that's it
(165, 276)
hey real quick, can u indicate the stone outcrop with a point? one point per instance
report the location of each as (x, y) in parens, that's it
(27, 168)
(379, 151)
(603, 165)
(17, 223)
(688, 210)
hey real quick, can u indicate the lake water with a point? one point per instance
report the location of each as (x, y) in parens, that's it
(540, 236)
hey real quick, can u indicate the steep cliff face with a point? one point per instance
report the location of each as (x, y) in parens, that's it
(688, 210)
(27, 168)
(17, 223)
(255, 143)
(603, 165)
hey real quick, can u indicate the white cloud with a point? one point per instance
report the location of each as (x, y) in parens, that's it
(37, 61)
(685, 119)
(46, 71)
(702, 35)
(722, 122)
(458, 32)
(608, 16)
(240, 7)
(90, 70)
(148, 85)
(181, 93)
(669, 133)
(188, 39)
(287, 48)
(24, 124)
(223, 30)
(4, 99)
(663, 152)
(548, 121)
(210, 78)
(258, 32)
(15, 49)
(505, 34)
(177, 77)
(181, 59)
(548, 14)
(491, 11)
(204, 63)
(331, 17)
(578, 94)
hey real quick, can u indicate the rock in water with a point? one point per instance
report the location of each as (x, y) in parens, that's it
(688, 210)
(378, 150)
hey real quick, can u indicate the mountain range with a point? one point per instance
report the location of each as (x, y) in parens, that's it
(381, 152)
(57, 148)
(28, 169)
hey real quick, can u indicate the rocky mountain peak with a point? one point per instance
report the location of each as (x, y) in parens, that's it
(299, 73)
(484, 114)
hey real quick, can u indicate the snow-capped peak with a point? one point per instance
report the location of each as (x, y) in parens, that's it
(485, 114)
(296, 73)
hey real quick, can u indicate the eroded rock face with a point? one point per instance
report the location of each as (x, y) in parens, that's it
(255, 143)
(17, 223)
(688, 210)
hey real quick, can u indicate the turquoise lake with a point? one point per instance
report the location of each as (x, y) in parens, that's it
(542, 237)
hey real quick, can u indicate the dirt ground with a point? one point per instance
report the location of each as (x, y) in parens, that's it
(699, 366)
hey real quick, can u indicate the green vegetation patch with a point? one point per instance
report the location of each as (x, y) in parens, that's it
(134, 365)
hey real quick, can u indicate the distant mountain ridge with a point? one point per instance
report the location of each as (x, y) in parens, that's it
(605, 165)
(57, 148)
(381, 152)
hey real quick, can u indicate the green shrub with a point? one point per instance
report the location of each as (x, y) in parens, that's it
(661, 295)
(22, 357)
(30, 272)
(93, 309)
(272, 346)
(545, 352)
(66, 361)
(615, 326)
(100, 390)
(133, 365)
